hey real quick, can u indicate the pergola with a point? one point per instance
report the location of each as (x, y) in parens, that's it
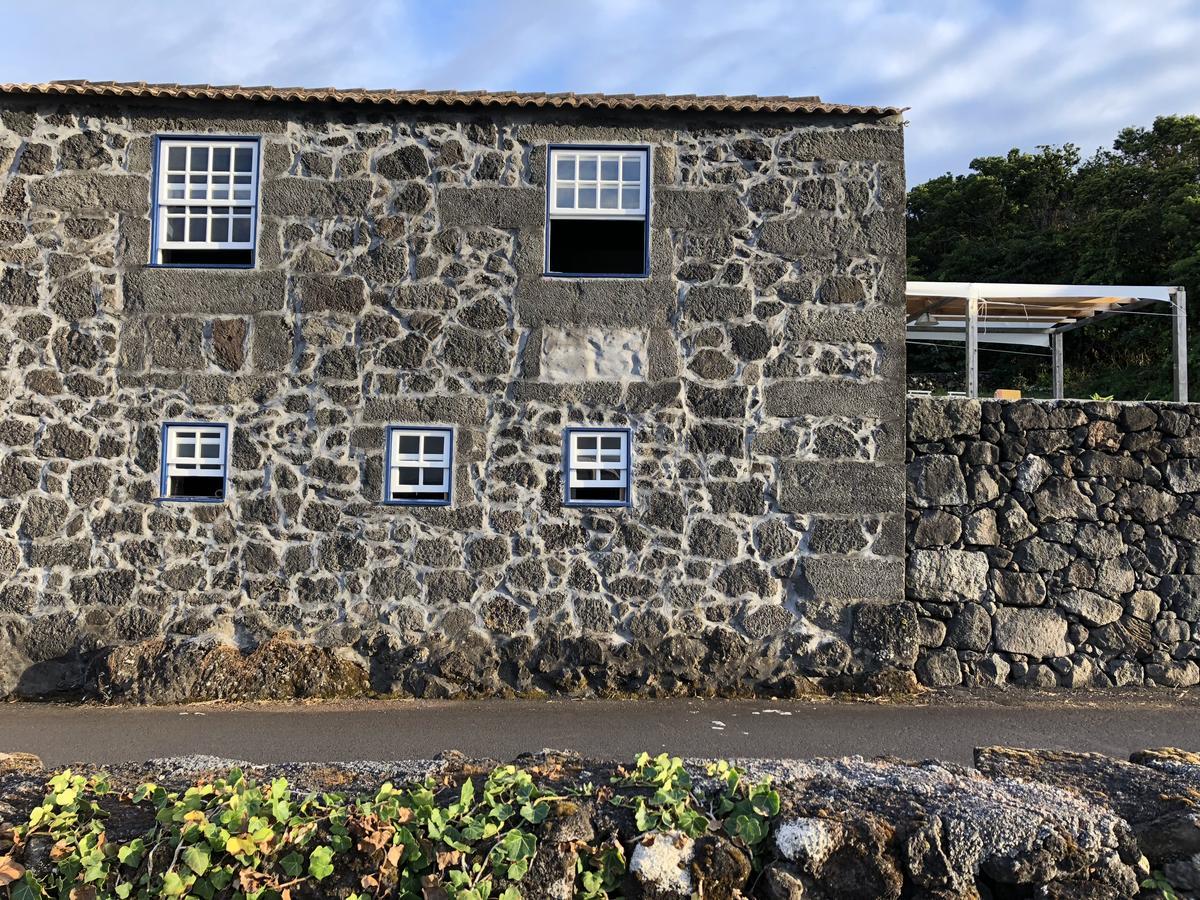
(1036, 315)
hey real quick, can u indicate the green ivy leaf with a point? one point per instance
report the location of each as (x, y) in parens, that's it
(320, 863)
(197, 858)
(292, 865)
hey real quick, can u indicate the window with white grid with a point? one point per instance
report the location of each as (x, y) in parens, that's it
(194, 461)
(206, 200)
(597, 467)
(597, 208)
(420, 465)
(597, 183)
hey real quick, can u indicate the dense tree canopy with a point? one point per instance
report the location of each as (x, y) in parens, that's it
(1129, 215)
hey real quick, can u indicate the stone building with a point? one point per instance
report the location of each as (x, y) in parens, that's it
(317, 391)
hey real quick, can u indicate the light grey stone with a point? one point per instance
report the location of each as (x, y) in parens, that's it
(944, 575)
(1040, 633)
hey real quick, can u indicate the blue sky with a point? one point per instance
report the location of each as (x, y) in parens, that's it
(980, 77)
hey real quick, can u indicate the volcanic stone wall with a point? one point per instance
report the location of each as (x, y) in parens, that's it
(1054, 543)
(400, 280)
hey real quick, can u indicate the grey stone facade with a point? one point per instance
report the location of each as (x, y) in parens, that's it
(399, 281)
(1054, 543)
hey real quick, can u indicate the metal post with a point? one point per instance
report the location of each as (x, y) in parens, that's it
(972, 322)
(1056, 361)
(1179, 343)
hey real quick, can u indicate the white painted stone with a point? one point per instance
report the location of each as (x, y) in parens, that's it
(807, 841)
(663, 859)
(593, 354)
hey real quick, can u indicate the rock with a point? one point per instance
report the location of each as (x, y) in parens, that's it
(1031, 474)
(933, 419)
(1036, 632)
(1017, 588)
(943, 575)
(970, 629)
(1091, 608)
(939, 669)
(661, 865)
(936, 480)
(887, 633)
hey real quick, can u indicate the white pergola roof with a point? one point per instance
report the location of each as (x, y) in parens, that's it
(1019, 313)
(1034, 315)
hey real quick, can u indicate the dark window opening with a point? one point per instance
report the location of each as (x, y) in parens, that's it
(179, 257)
(606, 495)
(438, 496)
(598, 246)
(201, 486)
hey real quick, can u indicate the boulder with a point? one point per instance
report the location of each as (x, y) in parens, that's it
(1034, 631)
(943, 575)
(936, 480)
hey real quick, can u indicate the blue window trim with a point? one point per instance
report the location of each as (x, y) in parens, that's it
(645, 148)
(158, 138)
(566, 466)
(387, 464)
(162, 462)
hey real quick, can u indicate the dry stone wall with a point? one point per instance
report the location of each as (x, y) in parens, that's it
(399, 280)
(1054, 543)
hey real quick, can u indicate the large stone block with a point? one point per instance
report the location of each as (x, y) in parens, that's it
(834, 397)
(946, 575)
(936, 480)
(853, 577)
(1037, 632)
(887, 633)
(204, 291)
(593, 354)
(840, 487)
(464, 410)
(315, 198)
(876, 323)
(706, 210)
(492, 207)
(91, 191)
(615, 302)
(937, 419)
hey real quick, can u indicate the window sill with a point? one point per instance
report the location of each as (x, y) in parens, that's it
(568, 275)
(443, 503)
(190, 499)
(598, 504)
(241, 266)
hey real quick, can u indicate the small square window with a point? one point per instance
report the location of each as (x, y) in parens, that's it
(596, 467)
(420, 466)
(597, 214)
(194, 461)
(201, 226)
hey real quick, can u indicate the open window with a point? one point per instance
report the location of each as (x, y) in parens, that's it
(597, 211)
(597, 467)
(194, 461)
(206, 202)
(420, 466)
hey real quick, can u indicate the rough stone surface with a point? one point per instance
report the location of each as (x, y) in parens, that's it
(1080, 517)
(399, 280)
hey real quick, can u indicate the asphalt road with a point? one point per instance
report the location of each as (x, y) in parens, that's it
(947, 729)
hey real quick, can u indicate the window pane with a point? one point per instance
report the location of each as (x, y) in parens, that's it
(241, 230)
(631, 169)
(210, 451)
(174, 229)
(609, 169)
(220, 230)
(176, 159)
(587, 198)
(435, 444)
(564, 197)
(586, 442)
(199, 159)
(199, 187)
(409, 443)
(408, 475)
(197, 229)
(611, 442)
(433, 477)
(608, 198)
(610, 475)
(242, 159)
(221, 159)
(585, 474)
(220, 187)
(630, 198)
(566, 168)
(587, 169)
(186, 449)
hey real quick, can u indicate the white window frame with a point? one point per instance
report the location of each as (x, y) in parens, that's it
(199, 435)
(577, 185)
(421, 461)
(598, 458)
(166, 204)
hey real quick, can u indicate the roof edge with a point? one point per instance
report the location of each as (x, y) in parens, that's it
(446, 99)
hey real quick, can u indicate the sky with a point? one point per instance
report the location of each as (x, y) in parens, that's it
(978, 77)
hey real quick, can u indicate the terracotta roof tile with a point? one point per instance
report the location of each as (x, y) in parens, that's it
(267, 93)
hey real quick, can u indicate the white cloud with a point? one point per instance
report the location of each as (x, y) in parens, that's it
(980, 77)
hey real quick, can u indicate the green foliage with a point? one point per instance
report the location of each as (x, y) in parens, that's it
(473, 840)
(1129, 215)
(1158, 882)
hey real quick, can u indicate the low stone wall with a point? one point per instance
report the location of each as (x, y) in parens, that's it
(1054, 543)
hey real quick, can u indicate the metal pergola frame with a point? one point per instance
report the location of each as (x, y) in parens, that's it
(1036, 315)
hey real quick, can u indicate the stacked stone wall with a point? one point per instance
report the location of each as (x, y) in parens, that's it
(399, 280)
(1054, 544)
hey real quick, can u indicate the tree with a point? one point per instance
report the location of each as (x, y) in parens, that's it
(1129, 215)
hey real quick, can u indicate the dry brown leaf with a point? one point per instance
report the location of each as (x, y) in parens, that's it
(431, 889)
(59, 850)
(10, 870)
(394, 855)
(448, 858)
(368, 883)
(83, 892)
(404, 815)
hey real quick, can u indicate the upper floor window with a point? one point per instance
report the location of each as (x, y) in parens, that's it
(597, 222)
(194, 460)
(206, 201)
(597, 467)
(420, 465)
